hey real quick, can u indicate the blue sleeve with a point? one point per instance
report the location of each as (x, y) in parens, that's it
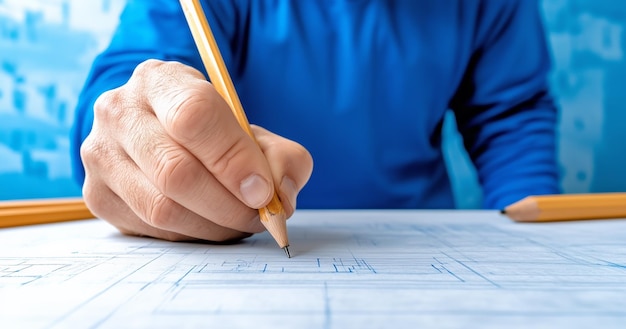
(503, 107)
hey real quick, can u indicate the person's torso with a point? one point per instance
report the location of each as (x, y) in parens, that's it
(363, 85)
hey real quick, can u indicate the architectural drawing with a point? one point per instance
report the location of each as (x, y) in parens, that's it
(350, 269)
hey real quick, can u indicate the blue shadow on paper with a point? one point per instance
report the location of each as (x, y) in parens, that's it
(46, 49)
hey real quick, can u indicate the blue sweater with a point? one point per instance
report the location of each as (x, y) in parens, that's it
(364, 86)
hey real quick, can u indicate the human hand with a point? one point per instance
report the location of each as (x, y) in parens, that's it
(166, 158)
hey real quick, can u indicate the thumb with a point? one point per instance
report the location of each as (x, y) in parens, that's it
(197, 117)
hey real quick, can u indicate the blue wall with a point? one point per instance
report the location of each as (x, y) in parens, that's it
(45, 51)
(46, 48)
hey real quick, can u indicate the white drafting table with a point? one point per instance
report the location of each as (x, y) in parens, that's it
(350, 269)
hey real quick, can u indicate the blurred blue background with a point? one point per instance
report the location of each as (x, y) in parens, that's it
(46, 47)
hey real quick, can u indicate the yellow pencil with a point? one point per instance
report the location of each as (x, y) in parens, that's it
(41, 211)
(561, 207)
(273, 215)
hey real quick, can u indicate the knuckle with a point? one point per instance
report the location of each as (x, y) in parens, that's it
(92, 151)
(184, 118)
(181, 91)
(146, 73)
(173, 168)
(148, 66)
(161, 212)
(108, 107)
(229, 156)
(151, 67)
(192, 115)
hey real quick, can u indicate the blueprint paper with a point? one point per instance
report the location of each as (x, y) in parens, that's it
(350, 269)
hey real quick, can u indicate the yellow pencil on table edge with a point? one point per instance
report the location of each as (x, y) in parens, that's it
(566, 207)
(273, 215)
(42, 211)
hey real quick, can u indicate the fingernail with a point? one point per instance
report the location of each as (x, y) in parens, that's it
(290, 190)
(254, 191)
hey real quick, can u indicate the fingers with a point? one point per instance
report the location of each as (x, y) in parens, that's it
(194, 115)
(177, 175)
(124, 205)
(290, 162)
(170, 171)
(104, 204)
(167, 158)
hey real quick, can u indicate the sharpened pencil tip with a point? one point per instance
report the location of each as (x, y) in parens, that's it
(286, 249)
(503, 211)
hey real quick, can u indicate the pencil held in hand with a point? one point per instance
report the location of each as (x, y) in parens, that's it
(273, 216)
(562, 207)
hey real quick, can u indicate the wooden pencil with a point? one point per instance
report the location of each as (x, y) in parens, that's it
(562, 207)
(273, 215)
(42, 211)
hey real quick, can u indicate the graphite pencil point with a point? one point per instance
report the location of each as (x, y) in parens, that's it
(286, 249)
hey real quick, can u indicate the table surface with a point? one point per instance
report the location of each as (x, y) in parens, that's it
(350, 269)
